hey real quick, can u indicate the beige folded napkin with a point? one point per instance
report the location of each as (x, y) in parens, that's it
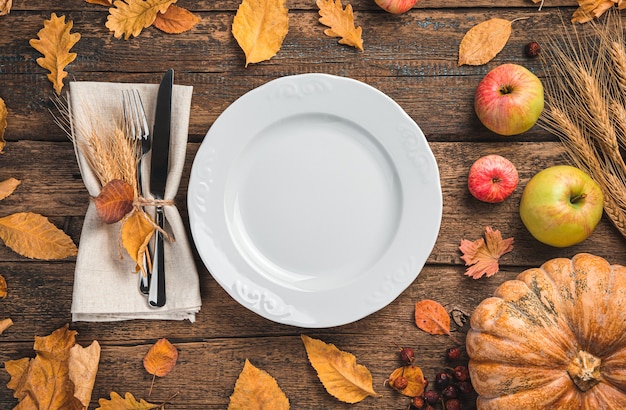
(105, 285)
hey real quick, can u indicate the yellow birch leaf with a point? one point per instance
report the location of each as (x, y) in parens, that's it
(83, 366)
(8, 186)
(260, 26)
(129, 17)
(484, 41)
(339, 372)
(161, 358)
(341, 22)
(3, 287)
(3, 123)
(136, 233)
(33, 236)
(55, 42)
(5, 7)
(175, 20)
(127, 403)
(256, 389)
(5, 324)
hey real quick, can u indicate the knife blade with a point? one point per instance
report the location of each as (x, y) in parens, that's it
(159, 167)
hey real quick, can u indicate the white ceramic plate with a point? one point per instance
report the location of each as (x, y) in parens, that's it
(314, 200)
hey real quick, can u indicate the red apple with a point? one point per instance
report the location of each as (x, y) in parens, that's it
(492, 178)
(561, 205)
(396, 6)
(509, 99)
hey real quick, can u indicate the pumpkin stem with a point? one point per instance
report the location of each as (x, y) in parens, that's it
(584, 370)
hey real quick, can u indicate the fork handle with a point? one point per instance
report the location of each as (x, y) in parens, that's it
(156, 296)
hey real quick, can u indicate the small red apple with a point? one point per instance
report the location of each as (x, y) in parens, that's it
(396, 6)
(492, 178)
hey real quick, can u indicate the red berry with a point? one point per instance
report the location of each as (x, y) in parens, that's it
(449, 392)
(454, 404)
(407, 355)
(442, 379)
(431, 396)
(400, 383)
(453, 353)
(465, 387)
(461, 373)
(532, 49)
(418, 402)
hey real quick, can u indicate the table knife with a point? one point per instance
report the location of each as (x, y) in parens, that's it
(158, 177)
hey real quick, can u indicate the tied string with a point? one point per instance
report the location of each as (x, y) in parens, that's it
(141, 202)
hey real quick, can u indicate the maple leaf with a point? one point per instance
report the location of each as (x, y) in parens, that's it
(260, 26)
(255, 388)
(5, 324)
(175, 20)
(415, 378)
(136, 233)
(7, 187)
(5, 7)
(130, 17)
(3, 287)
(55, 42)
(114, 201)
(33, 236)
(3, 124)
(482, 255)
(339, 372)
(341, 22)
(127, 403)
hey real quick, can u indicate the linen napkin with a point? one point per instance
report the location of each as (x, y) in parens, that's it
(106, 287)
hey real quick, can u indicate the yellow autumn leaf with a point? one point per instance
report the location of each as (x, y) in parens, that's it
(257, 389)
(127, 403)
(8, 186)
(590, 9)
(341, 22)
(339, 372)
(5, 7)
(175, 20)
(129, 17)
(161, 358)
(136, 233)
(83, 367)
(484, 41)
(101, 2)
(3, 124)
(5, 324)
(3, 287)
(55, 42)
(32, 235)
(260, 26)
(412, 376)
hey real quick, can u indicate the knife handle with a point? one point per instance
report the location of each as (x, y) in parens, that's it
(156, 297)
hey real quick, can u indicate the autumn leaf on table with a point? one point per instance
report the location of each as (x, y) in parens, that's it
(341, 22)
(484, 41)
(127, 403)
(101, 2)
(3, 287)
(590, 9)
(3, 123)
(55, 42)
(175, 20)
(5, 7)
(260, 26)
(7, 187)
(415, 381)
(5, 324)
(257, 389)
(137, 231)
(114, 201)
(339, 372)
(432, 317)
(482, 255)
(160, 359)
(128, 18)
(83, 366)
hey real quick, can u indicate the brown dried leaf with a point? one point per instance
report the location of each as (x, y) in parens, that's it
(3, 124)
(484, 41)
(5, 7)
(8, 186)
(590, 9)
(260, 26)
(432, 317)
(129, 17)
(127, 403)
(482, 255)
(341, 22)
(161, 358)
(5, 324)
(101, 2)
(175, 20)
(3, 287)
(136, 233)
(83, 367)
(115, 201)
(257, 389)
(33, 236)
(414, 377)
(339, 372)
(55, 42)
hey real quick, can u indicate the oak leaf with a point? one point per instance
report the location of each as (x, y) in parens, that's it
(5, 324)
(83, 366)
(5, 7)
(341, 22)
(127, 403)
(33, 236)
(175, 20)
(484, 41)
(339, 372)
(414, 377)
(130, 17)
(260, 26)
(432, 317)
(482, 255)
(3, 123)
(55, 42)
(114, 201)
(8, 186)
(3, 287)
(161, 358)
(136, 233)
(257, 389)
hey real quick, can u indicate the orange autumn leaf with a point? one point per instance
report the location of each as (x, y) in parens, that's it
(101, 2)
(7, 187)
(55, 42)
(5, 324)
(482, 255)
(128, 18)
(341, 22)
(3, 123)
(3, 287)
(5, 7)
(257, 389)
(260, 26)
(115, 201)
(339, 372)
(432, 317)
(127, 403)
(415, 381)
(484, 41)
(161, 358)
(175, 20)
(136, 233)
(33, 236)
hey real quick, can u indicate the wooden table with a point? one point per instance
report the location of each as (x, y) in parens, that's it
(410, 57)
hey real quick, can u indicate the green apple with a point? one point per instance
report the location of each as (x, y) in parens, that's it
(561, 206)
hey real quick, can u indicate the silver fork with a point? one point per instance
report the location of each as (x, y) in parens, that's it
(136, 127)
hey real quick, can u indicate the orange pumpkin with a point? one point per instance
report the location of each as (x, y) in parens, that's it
(554, 338)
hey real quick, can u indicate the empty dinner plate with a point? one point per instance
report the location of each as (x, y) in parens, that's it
(314, 200)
